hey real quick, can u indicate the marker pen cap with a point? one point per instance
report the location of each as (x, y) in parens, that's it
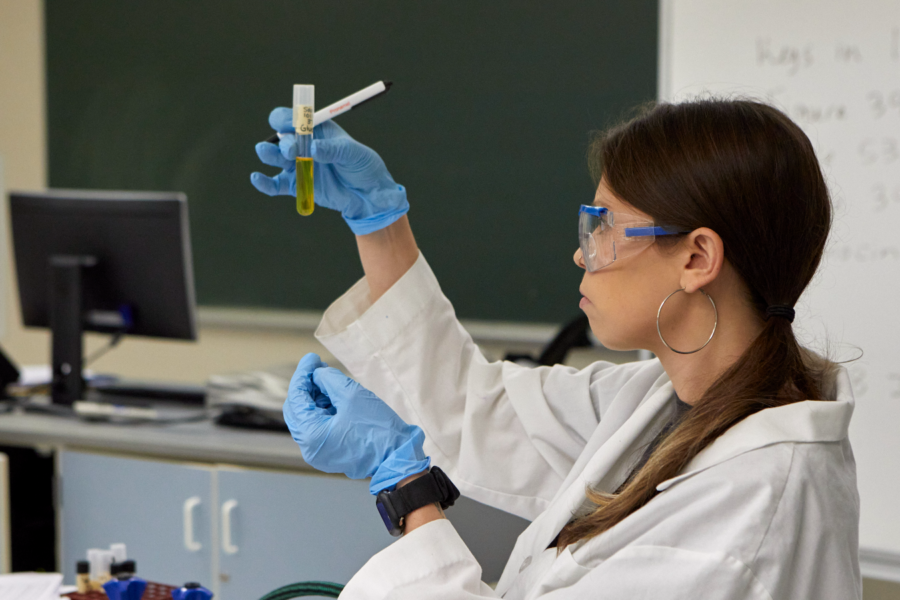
(304, 101)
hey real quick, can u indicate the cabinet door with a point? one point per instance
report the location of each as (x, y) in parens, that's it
(279, 528)
(163, 511)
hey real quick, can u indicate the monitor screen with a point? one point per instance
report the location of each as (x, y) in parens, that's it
(141, 245)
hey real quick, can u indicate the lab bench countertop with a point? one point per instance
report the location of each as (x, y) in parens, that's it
(199, 441)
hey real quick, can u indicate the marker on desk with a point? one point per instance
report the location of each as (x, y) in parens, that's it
(341, 106)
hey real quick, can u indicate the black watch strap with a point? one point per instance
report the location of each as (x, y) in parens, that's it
(431, 488)
(428, 489)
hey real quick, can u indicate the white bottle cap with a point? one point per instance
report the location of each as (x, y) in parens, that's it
(304, 95)
(119, 554)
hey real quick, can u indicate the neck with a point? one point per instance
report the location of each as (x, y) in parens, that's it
(693, 374)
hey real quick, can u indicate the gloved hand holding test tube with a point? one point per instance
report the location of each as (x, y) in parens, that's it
(350, 177)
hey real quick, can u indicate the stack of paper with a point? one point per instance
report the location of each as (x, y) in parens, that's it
(30, 586)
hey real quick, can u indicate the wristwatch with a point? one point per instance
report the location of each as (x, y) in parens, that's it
(393, 506)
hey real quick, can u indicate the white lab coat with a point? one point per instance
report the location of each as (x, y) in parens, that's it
(770, 510)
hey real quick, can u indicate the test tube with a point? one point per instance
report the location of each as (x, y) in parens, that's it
(304, 109)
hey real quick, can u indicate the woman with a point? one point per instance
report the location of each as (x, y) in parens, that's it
(720, 469)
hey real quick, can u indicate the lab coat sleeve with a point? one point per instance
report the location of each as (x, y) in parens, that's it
(507, 435)
(433, 562)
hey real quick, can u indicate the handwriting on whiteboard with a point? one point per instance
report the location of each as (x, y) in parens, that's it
(854, 123)
(864, 252)
(861, 375)
(794, 58)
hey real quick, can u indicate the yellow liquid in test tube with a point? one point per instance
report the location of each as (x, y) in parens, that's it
(305, 198)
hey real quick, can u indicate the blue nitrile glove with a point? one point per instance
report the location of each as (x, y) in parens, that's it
(349, 177)
(341, 427)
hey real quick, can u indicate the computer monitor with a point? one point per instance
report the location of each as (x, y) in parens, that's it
(105, 261)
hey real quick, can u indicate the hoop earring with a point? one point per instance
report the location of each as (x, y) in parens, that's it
(710, 335)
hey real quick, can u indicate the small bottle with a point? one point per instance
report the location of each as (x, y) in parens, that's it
(94, 558)
(106, 560)
(83, 576)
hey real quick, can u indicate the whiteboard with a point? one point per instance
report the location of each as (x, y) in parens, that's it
(834, 67)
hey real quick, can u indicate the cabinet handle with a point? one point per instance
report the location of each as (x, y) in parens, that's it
(227, 546)
(190, 543)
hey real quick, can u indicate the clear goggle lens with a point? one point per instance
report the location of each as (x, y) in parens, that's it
(605, 237)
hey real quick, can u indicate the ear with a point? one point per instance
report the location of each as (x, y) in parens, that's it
(704, 255)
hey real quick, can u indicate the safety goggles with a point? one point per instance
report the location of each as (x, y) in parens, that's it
(605, 237)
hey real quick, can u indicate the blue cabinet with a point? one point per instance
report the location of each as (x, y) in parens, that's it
(280, 528)
(242, 532)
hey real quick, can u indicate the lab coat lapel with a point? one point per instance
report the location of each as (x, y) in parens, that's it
(809, 421)
(605, 460)
(612, 422)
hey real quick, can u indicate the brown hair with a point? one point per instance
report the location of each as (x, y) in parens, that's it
(747, 172)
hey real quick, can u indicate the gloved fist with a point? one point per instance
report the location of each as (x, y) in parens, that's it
(349, 177)
(341, 427)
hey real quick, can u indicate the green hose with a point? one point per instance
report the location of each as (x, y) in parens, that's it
(323, 589)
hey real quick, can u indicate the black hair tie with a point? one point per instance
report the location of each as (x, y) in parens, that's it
(780, 310)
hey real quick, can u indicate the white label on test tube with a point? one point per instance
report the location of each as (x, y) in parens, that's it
(304, 101)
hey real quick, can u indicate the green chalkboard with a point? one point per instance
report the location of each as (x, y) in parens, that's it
(487, 126)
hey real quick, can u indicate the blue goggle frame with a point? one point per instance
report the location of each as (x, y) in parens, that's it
(600, 239)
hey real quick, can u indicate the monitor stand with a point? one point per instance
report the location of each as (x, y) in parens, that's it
(66, 318)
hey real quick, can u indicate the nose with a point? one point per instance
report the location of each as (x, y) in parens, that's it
(579, 259)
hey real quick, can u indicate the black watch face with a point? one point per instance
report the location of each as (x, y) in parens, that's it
(384, 516)
(395, 529)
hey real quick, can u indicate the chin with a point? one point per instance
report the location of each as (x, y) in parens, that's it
(618, 347)
(610, 342)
